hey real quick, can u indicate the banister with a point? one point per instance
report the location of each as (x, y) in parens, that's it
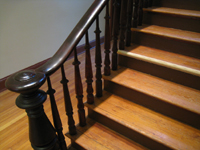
(73, 39)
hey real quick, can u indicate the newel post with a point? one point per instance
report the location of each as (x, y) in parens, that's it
(42, 135)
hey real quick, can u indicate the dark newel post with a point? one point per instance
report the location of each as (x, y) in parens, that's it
(115, 33)
(98, 60)
(107, 43)
(123, 21)
(56, 116)
(140, 13)
(41, 132)
(135, 14)
(79, 90)
(88, 71)
(68, 104)
(129, 20)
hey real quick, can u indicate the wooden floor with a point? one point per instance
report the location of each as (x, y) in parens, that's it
(14, 122)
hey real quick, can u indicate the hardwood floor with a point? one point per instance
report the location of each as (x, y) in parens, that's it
(14, 121)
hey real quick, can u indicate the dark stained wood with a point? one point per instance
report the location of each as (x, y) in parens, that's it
(88, 71)
(98, 61)
(107, 43)
(115, 33)
(150, 3)
(140, 17)
(79, 90)
(41, 132)
(68, 104)
(135, 14)
(56, 116)
(123, 23)
(129, 20)
(146, 3)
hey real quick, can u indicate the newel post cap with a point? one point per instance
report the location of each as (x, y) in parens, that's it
(26, 81)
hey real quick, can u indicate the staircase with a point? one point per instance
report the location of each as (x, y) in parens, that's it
(153, 100)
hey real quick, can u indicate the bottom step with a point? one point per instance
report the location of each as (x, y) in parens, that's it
(95, 136)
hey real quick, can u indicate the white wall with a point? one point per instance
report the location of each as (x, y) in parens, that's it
(33, 30)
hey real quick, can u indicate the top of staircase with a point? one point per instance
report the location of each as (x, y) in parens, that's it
(178, 34)
(174, 11)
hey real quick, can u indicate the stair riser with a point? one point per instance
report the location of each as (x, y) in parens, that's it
(173, 45)
(133, 135)
(181, 4)
(172, 21)
(160, 71)
(153, 103)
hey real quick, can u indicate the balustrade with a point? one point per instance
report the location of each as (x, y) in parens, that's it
(42, 132)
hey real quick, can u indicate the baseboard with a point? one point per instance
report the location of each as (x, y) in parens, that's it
(80, 49)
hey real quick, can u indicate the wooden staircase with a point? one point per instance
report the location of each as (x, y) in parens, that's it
(153, 100)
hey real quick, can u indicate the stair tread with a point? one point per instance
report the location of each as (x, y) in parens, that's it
(169, 92)
(158, 127)
(188, 36)
(95, 136)
(174, 11)
(167, 59)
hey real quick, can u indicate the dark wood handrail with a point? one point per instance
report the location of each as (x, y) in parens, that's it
(73, 39)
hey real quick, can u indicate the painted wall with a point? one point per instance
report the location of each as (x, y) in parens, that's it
(33, 30)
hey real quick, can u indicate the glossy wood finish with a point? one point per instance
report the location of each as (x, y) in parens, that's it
(14, 128)
(129, 21)
(167, 59)
(94, 133)
(115, 34)
(135, 14)
(88, 71)
(73, 39)
(187, 36)
(123, 24)
(170, 133)
(174, 11)
(98, 61)
(107, 42)
(68, 104)
(79, 90)
(56, 116)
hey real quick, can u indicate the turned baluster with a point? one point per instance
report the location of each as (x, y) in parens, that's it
(56, 116)
(129, 20)
(88, 71)
(140, 18)
(98, 60)
(123, 23)
(79, 90)
(42, 135)
(107, 43)
(135, 14)
(115, 33)
(68, 104)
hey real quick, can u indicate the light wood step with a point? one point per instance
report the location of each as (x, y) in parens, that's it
(95, 136)
(167, 59)
(174, 11)
(188, 36)
(169, 92)
(155, 126)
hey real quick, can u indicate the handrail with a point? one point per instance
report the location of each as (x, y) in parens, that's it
(73, 39)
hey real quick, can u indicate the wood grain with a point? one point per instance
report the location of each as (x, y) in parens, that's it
(14, 122)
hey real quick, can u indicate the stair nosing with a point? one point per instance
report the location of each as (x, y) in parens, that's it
(152, 31)
(155, 96)
(161, 62)
(174, 11)
(128, 125)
